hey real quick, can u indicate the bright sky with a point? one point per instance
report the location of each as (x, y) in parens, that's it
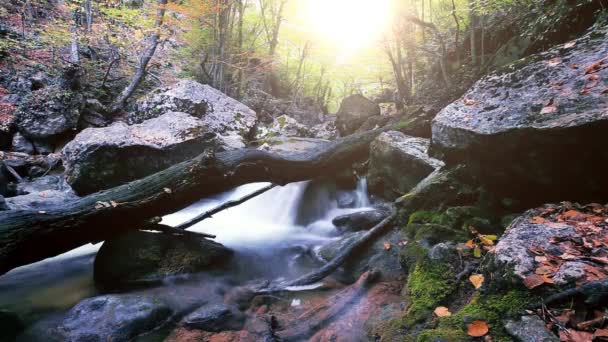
(348, 25)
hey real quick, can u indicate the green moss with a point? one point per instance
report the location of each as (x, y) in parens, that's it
(423, 216)
(443, 334)
(428, 284)
(491, 308)
(282, 121)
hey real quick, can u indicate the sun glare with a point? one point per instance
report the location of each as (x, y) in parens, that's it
(349, 25)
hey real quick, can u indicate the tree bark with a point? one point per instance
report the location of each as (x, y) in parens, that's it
(28, 236)
(119, 103)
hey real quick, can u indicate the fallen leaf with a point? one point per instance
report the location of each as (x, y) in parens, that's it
(387, 246)
(545, 270)
(477, 329)
(540, 258)
(593, 77)
(548, 280)
(592, 84)
(548, 110)
(477, 280)
(585, 92)
(554, 61)
(114, 204)
(571, 335)
(442, 311)
(537, 220)
(470, 243)
(167, 190)
(601, 333)
(477, 252)
(470, 102)
(569, 44)
(533, 281)
(605, 91)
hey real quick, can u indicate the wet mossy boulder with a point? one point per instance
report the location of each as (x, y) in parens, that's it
(353, 112)
(142, 258)
(398, 163)
(532, 129)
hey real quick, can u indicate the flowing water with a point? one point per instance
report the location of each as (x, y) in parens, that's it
(274, 236)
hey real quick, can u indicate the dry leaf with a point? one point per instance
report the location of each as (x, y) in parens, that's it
(572, 335)
(547, 279)
(592, 84)
(569, 44)
(442, 311)
(537, 220)
(487, 240)
(554, 61)
(477, 280)
(601, 333)
(387, 246)
(470, 243)
(585, 92)
(533, 281)
(167, 190)
(605, 91)
(477, 329)
(540, 258)
(477, 252)
(548, 110)
(470, 102)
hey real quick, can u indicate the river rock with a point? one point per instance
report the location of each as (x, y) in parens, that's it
(49, 112)
(101, 158)
(288, 146)
(215, 317)
(354, 111)
(530, 329)
(397, 163)
(283, 126)
(361, 220)
(326, 130)
(145, 258)
(218, 112)
(534, 127)
(513, 248)
(21, 144)
(113, 318)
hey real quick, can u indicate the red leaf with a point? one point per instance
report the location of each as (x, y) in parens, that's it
(533, 281)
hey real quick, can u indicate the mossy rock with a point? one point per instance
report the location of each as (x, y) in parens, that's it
(142, 258)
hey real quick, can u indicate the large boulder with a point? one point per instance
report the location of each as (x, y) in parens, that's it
(144, 258)
(218, 112)
(113, 318)
(354, 111)
(101, 158)
(361, 220)
(535, 127)
(49, 112)
(397, 163)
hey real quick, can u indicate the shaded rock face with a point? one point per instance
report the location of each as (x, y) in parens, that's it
(535, 126)
(398, 163)
(10, 325)
(218, 112)
(143, 258)
(101, 158)
(49, 112)
(283, 126)
(362, 220)
(113, 318)
(215, 317)
(354, 111)
(21, 144)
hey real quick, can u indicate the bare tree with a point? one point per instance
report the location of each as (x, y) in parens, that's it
(272, 17)
(145, 58)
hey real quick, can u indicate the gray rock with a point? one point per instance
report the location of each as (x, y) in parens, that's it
(21, 144)
(44, 200)
(398, 163)
(361, 220)
(144, 258)
(49, 112)
(218, 112)
(330, 250)
(43, 146)
(290, 146)
(113, 318)
(374, 122)
(569, 272)
(3, 205)
(530, 329)
(513, 247)
(283, 126)
(525, 124)
(101, 158)
(326, 130)
(354, 111)
(43, 184)
(215, 317)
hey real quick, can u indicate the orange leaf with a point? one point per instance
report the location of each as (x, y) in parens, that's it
(478, 329)
(548, 280)
(601, 333)
(533, 281)
(476, 280)
(554, 61)
(537, 220)
(571, 335)
(442, 311)
(470, 244)
(470, 102)
(387, 246)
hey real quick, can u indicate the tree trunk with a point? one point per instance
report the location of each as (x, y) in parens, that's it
(88, 10)
(472, 27)
(119, 103)
(457, 36)
(28, 236)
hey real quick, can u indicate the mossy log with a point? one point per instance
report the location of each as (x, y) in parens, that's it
(28, 236)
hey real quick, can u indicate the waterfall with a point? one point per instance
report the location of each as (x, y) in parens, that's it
(362, 197)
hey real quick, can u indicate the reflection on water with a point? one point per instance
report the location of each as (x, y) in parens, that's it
(273, 235)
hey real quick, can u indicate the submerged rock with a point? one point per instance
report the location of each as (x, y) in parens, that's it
(101, 158)
(354, 111)
(215, 317)
(398, 163)
(534, 127)
(218, 112)
(361, 220)
(144, 258)
(113, 318)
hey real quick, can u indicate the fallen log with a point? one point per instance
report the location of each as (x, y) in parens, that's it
(28, 236)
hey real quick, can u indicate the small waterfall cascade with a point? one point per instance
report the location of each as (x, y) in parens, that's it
(361, 195)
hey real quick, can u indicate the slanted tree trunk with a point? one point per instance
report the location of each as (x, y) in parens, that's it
(119, 103)
(28, 236)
